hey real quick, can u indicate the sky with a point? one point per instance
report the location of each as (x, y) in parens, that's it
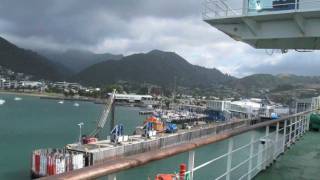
(135, 26)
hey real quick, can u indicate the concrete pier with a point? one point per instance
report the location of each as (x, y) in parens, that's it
(105, 150)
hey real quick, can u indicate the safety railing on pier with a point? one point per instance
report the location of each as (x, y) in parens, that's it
(214, 9)
(261, 151)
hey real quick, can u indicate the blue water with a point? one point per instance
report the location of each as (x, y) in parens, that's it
(34, 123)
(38, 123)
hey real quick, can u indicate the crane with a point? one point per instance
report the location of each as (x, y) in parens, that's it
(104, 115)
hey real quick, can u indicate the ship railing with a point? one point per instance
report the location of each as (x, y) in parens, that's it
(260, 151)
(216, 9)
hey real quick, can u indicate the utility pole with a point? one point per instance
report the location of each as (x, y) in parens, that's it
(80, 133)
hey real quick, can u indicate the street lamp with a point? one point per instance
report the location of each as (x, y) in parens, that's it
(80, 127)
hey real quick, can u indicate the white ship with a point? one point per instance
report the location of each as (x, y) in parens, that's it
(2, 101)
(17, 98)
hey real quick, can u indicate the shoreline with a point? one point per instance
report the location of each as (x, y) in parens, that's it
(31, 94)
(53, 96)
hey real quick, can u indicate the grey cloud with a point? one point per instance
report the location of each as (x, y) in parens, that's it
(306, 63)
(82, 21)
(131, 26)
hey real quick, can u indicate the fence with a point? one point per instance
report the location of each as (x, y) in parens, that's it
(263, 151)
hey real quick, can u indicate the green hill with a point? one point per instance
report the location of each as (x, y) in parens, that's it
(28, 62)
(156, 67)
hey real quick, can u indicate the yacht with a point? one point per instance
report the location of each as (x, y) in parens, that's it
(17, 98)
(2, 101)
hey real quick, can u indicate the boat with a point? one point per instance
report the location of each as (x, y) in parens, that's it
(61, 102)
(17, 98)
(2, 101)
(149, 106)
(76, 104)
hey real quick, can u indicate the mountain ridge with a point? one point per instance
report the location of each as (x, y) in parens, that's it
(27, 61)
(156, 67)
(77, 60)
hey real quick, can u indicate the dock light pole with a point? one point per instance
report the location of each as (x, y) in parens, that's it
(80, 128)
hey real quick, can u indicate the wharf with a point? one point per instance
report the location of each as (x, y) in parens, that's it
(146, 112)
(86, 99)
(104, 150)
(189, 119)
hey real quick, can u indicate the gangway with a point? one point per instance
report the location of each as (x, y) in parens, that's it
(267, 24)
(108, 107)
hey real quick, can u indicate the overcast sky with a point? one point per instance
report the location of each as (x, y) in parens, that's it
(132, 26)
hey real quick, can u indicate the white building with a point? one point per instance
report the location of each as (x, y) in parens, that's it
(252, 106)
(132, 97)
(2, 80)
(31, 84)
(225, 106)
(10, 84)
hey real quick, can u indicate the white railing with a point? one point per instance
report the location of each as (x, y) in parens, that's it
(270, 146)
(214, 9)
(220, 8)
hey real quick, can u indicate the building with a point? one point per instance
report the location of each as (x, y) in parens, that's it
(252, 106)
(67, 85)
(225, 110)
(30, 84)
(2, 80)
(132, 98)
(10, 84)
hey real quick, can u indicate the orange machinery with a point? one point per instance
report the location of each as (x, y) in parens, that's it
(158, 125)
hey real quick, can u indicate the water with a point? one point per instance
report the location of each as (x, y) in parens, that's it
(34, 123)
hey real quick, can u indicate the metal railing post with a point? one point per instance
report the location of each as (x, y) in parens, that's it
(295, 129)
(245, 7)
(304, 125)
(284, 135)
(251, 154)
(112, 177)
(300, 126)
(229, 160)
(266, 148)
(308, 122)
(277, 142)
(290, 133)
(191, 164)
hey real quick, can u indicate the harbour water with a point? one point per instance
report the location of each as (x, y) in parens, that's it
(34, 123)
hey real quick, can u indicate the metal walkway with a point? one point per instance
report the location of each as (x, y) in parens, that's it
(299, 162)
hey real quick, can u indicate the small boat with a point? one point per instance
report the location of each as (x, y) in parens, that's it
(76, 104)
(17, 98)
(2, 101)
(61, 102)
